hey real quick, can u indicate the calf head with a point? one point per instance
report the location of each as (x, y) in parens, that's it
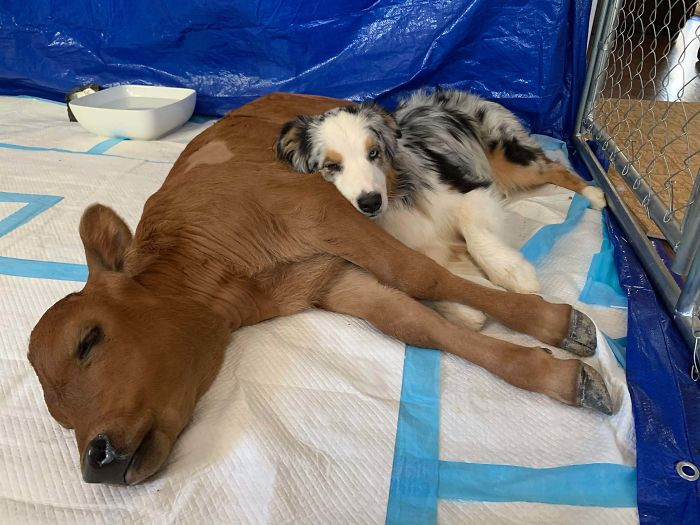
(120, 364)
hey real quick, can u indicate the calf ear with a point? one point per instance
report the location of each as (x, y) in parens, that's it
(293, 144)
(105, 237)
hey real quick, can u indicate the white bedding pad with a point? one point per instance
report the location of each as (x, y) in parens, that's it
(300, 425)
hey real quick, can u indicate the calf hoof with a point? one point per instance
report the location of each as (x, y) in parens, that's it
(592, 392)
(581, 339)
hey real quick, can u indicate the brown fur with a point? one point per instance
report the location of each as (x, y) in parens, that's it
(512, 177)
(234, 242)
(369, 144)
(333, 156)
(390, 176)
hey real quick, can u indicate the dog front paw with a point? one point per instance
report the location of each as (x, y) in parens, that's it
(514, 274)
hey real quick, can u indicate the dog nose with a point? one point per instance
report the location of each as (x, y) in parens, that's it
(370, 203)
(102, 463)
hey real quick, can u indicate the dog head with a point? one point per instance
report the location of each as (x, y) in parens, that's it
(120, 365)
(353, 147)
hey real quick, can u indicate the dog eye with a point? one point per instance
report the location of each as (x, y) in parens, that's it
(88, 341)
(373, 153)
(332, 166)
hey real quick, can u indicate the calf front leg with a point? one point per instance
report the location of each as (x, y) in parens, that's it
(396, 314)
(349, 235)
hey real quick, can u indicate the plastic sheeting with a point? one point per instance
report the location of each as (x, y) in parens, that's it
(301, 422)
(524, 53)
(528, 55)
(665, 400)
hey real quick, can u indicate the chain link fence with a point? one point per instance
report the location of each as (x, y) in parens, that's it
(641, 111)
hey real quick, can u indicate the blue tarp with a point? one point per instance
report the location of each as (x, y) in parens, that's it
(527, 54)
(665, 399)
(523, 53)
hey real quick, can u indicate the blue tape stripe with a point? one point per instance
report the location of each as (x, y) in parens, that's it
(548, 143)
(36, 148)
(35, 205)
(101, 147)
(6, 196)
(414, 477)
(57, 271)
(588, 485)
(61, 150)
(619, 349)
(602, 286)
(542, 242)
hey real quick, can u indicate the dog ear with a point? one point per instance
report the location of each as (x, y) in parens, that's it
(105, 237)
(387, 117)
(391, 123)
(293, 144)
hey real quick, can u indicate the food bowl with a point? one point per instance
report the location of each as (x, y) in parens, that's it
(134, 112)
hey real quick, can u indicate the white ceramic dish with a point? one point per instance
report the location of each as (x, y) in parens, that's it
(134, 112)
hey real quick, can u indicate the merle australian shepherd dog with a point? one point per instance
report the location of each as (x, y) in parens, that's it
(434, 174)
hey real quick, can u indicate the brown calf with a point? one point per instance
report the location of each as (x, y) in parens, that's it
(233, 238)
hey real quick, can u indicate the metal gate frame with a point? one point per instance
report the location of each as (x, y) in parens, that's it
(683, 301)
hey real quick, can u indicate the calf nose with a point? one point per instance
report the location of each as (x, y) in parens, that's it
(102, 464)
(370, 203)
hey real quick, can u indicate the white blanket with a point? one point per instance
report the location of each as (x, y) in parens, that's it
(301, 423)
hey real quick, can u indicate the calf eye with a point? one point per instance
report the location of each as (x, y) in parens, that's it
(332, 166)
(373, 153)
(89, 339)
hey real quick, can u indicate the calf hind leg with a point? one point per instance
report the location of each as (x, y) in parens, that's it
(396, 314)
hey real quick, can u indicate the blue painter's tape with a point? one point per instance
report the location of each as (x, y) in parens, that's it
(35, 204)
(7, 145)
(35, 148)
(587, 485)
(57, 271)
(414, 477)
(419, 479)
(101, 147)
(602, 286)
(550, 143)
(542, 242)
(619, 349)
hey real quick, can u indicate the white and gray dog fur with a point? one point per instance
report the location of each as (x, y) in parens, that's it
(434, 174)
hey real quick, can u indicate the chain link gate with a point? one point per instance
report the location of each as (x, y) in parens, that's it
(640, 108)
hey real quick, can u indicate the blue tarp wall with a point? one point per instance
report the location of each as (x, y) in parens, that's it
(525, 54)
